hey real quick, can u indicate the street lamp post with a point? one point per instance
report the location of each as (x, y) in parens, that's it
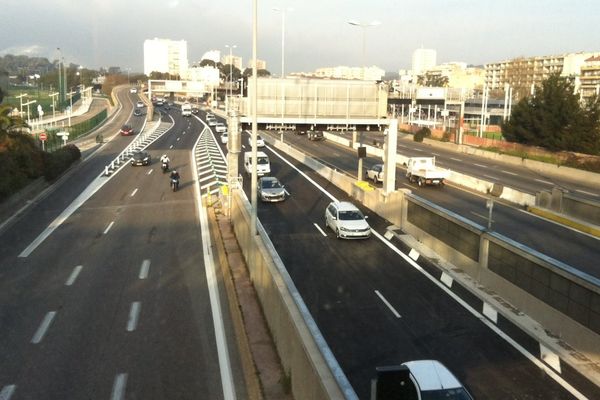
(364, 30)
(230, 47)
(282, 11)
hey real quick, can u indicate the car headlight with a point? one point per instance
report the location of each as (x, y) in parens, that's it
(344, 229)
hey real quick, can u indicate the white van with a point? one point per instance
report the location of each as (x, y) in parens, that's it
(263, 165)
(186, 110)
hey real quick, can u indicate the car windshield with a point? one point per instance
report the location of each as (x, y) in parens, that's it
(446, 394)
(351, 215)
(262, 160)
(271, 184)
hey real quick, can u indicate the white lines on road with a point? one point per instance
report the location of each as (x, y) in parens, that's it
(74, 275)
(480, 165)
(134, 313)
(480, 216)
(108, 227)
(7, 392)
(134, 192)
(588, 193)
(436, 154)
(387, 303)
(178, 139)
(171, 146)
(149, 172)
(39, 334)
(455, 159)
(418, 149)
(319, 229)
(118, 390)
(543, 181)
(144, 269)
(508, 172)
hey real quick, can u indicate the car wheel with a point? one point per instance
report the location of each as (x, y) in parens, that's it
(337, 233)
(421, 182)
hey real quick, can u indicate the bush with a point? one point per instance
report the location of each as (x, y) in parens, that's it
(56, 163)
(421, 134)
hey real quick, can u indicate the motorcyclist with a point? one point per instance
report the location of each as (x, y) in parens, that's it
(164, 159)
(174, 179)
(175, 175)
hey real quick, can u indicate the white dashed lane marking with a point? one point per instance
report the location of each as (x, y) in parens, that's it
(108, 227)
(144, 269)
(134, 313)
(387, 303)
(118, 391)
(39, 334)
(74, 275)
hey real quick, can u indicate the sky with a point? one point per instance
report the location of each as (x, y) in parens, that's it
(103, 33)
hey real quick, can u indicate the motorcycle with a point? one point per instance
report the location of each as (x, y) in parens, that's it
(174, 184)
(165, 167)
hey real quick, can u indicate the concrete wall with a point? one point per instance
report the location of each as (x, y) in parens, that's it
(563, 203)
(305, 356)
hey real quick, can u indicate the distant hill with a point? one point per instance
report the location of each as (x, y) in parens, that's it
(390, 76)
(25, 65)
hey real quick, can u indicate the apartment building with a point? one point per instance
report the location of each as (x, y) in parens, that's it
(590, 77)
(164, 55)
(523, 74)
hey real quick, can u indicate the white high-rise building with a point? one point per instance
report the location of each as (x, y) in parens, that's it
(422, 60)
(164, 55)
(236, 61)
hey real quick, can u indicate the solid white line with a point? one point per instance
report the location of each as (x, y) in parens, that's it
(213, 291)
(74, 275)
(118, 390)
(7, 392)
(108, 227)
(485, 321)
(149, 172)
(543, 181)
(588, 193)
(508, 172)
(39, 334)
(455, 159)
(387, 303)
(480, 165)
(134, 192)
(144, 269)
(134, 313)
(481, 216)
(320, 230)
(417, 149)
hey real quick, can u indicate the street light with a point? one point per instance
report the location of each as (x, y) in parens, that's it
(282, 11)
(364, 29)
(230, 47)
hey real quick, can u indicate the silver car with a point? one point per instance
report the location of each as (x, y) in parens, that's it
(270, 189)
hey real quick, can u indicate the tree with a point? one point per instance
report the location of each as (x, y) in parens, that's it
(259, 73)
(554, 118)
(432, 80)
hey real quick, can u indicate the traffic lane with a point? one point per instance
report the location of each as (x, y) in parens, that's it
(120, 249)
(522, 178)
(557, 241)
(337, 279)
(45, 209)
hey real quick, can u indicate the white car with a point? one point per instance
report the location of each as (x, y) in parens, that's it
(375, 173)
(139, 104)
(260, 142)
(220, 127)
(212, 121)
(133, 90)
(347, 221)
(434, 381)
(224, 137)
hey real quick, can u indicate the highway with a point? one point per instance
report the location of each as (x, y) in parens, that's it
(115, 303)
(517, 177)
(574, 248)
(375, 308)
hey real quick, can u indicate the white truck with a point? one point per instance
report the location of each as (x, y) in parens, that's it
(423, 171)
(263, 165)
(186, 110)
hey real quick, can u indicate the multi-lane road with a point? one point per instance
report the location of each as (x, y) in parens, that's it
(115, 303)
(376, 307)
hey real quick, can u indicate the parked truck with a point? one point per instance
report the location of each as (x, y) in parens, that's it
(423, 171)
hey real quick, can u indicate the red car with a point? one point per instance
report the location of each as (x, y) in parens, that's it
(126, 130)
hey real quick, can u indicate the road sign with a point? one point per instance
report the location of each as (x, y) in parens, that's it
(43, 137)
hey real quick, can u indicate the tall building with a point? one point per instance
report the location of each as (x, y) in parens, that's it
(343, 72)
(523, 74)
(260, 64)
(233, 60)
(459, 75)
(164, 55)
(590, 77)
(422, 60)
